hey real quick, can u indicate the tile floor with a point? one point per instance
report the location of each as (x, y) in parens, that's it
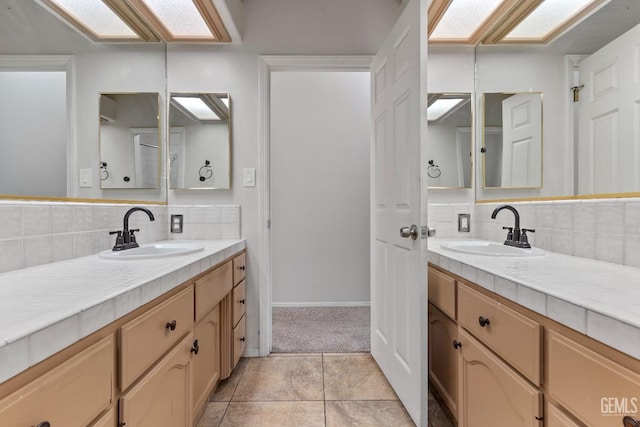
(324, 390)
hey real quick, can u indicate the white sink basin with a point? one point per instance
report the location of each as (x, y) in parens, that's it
(491, 249)
(154, 250)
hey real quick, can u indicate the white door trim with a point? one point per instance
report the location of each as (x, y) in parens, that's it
(269, 64)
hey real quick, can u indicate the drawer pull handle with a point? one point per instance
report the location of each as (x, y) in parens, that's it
(172, 325)
(630, 422)
(539, 418)
(242, 267)
(196, 347)
(457, 344)
(44, 424)
(242, 339)
(242, 301)
(483, 321)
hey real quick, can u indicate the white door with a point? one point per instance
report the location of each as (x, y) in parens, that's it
(609, 123)
(398, 285)
(522, 140)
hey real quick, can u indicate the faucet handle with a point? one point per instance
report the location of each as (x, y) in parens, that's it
(119, 240)
(524, 241)
(509, 233)
(132, 236)
(530, 230)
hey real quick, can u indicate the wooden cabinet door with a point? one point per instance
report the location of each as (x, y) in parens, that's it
(239, 301)
(72, 394)
(443, 357)
(491, 393)
(110, 419)
(239, 341)
(239, 268)
(555, 418)
(162, 397)
(206, 362)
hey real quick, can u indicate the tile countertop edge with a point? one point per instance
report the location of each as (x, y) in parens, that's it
(47, 333)
(615, 323)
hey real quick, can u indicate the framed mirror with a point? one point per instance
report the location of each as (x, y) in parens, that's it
(130, 140)
(199, 141)
(512, 140)
(450, 163)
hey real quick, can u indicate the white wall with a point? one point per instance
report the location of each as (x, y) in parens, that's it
(304, 27)
(320, 187)
(34, 158)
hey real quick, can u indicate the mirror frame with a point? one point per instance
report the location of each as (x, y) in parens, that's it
(483, 146)
(229, 139)
(159, 137)
(472, 132)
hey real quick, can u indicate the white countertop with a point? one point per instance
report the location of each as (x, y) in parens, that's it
(596, 298)
(46, 308)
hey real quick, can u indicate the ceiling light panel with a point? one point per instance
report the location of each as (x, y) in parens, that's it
(94, 16)
(180, 17)
(441, 107)
(197, 107)
(548, 17)
(463, 18)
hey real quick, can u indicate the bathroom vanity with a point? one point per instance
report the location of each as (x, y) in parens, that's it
(504, 350)
(154, 365)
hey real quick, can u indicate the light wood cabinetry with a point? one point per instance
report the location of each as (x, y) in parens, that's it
(155, 366)
(513, 336)
(491, 393)
(72, 394)
(443, 361)
(510, 359)
(144, 339)
(594, 389)
(161, 398)
(206, 358)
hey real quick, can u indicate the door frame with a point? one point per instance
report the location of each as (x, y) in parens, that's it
(267, 65)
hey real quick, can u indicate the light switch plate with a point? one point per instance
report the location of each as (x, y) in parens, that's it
(85, 178)
(249, 177)
(464, 223)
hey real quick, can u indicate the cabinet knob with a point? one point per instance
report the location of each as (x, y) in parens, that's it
(457, 344)
(630, 422)
(172, 325)
(242, 301)
(242, 267)
(44, 424)
(483, 321)
(196, 347)
(242, 339)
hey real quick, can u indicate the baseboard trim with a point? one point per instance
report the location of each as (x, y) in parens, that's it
(322, 304)
(251, 352)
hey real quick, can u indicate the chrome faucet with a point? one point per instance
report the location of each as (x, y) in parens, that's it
(126, 238)
(515, 236)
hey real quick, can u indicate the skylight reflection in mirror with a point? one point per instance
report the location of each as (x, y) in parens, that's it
(463, 18)
(97, 16)
(548, 16)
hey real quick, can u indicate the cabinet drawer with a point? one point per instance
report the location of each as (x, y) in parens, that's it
(442, 292)
(491, 393)
(239, 268)
(107, 420)
(72, 394)
(239, 341)
(593, 388)
(512, 335)
(239, 302)
(144, 339)
(443, 357)
(556, 418)
(212, 288)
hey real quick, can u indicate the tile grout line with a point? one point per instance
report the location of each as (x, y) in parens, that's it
(232, 394)
(324, 397)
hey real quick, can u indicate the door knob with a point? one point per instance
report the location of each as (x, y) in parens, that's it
(409, 232)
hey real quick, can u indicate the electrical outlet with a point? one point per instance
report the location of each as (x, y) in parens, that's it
(464, 223)
(176, 223)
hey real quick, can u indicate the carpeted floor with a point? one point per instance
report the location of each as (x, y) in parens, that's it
(321, 329)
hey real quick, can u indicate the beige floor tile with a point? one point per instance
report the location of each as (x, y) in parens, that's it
(293, 354)
(213, 414)
(355, 377)
(225, 389)
(274, 414)
(369, 413)
(281, 378)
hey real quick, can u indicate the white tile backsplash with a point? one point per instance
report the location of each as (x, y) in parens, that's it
(603, 229)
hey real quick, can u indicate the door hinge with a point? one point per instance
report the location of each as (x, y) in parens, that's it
(268, 223)
(576, 92)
